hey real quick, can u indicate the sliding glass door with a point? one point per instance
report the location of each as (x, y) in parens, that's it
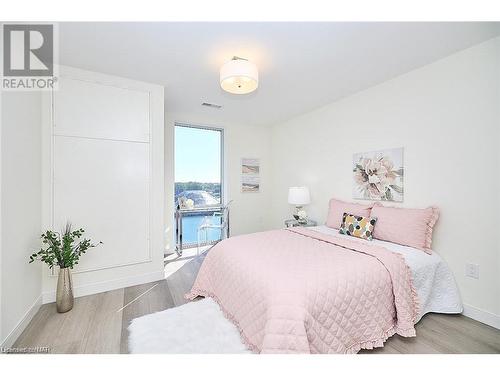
(198, 181)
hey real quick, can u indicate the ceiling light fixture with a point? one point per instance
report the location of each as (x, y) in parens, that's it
(239, 76)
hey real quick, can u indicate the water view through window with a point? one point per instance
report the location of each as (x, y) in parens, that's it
(198, 177)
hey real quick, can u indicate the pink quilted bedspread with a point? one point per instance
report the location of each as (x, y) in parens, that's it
(300, 291)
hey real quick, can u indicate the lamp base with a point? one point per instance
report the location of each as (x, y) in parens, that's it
(296, 215)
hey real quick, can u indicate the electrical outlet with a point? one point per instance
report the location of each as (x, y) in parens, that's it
(472, 270)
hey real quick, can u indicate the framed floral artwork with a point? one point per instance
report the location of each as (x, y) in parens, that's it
(378, 175)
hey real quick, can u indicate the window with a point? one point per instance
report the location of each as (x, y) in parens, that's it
(198, 178)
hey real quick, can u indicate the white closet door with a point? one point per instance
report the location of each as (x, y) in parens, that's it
(98, 110)
(103, 170)
(103, 186)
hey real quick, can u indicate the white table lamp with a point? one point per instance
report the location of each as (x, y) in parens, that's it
(299, 196)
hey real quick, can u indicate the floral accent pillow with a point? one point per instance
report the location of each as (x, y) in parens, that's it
(358, 226)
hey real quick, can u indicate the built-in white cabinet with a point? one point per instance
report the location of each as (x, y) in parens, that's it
(103, 141)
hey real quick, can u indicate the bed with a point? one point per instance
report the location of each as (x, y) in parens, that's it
(313, 290)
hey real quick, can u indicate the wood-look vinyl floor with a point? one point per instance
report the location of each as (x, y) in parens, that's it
(98, 323)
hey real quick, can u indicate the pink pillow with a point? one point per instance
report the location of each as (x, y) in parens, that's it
(405, 226)
(337, 209)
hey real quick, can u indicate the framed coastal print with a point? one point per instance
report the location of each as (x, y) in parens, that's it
(378, 175)
(250, 175)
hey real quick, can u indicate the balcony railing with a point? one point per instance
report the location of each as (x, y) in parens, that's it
(187, 221)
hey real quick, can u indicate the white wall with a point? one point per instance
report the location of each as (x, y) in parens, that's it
(1, 233)
(21, 211)
(249, 211)
(446, 116)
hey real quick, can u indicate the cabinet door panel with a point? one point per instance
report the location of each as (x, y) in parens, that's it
(103, 186)
(89, 109)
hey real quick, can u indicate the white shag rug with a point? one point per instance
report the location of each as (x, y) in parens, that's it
(196, 327)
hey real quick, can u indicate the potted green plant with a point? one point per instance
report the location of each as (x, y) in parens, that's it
(63, 250)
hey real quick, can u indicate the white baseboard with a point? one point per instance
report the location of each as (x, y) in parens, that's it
(22, 324)
(105, 286)
(482, 316)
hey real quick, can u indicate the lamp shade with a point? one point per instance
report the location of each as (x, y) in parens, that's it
(299, 195)
(239, 76)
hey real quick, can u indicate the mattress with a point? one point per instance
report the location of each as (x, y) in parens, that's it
(432, 278)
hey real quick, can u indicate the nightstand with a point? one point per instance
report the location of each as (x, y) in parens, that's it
(290, 223)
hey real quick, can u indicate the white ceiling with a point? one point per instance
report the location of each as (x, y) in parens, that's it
(302, 65)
